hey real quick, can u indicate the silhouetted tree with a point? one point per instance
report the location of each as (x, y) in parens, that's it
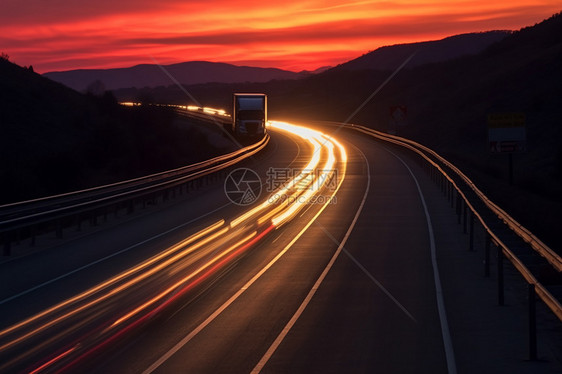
(108, 99)
(96, 88)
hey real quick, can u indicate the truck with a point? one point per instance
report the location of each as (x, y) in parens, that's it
(249, 115)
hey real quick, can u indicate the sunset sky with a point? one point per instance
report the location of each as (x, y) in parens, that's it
(294, 35)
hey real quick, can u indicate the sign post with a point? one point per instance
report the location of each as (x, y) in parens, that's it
(507, 134)
(398, 117)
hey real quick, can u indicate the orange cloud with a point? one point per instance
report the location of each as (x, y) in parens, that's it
(294, 35)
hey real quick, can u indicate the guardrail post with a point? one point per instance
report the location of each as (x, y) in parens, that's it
(32, 235)
(500, 276)
(452, 195)
(59, 229)
(471, 235)
(487, 255)
(464, 218)
(532, 323)
(7, 251)
(94, 218)
(459, 207)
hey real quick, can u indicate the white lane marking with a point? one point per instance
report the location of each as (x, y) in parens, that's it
(29, 290)
(233, 298)
(108, 257)
(314, 288)
(371, 277)
(447, 342)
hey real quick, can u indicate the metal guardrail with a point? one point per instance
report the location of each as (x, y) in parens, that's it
(535, 287)
(28, 214)
(552, 257)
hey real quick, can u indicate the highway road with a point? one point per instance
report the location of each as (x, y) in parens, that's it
(336, 272)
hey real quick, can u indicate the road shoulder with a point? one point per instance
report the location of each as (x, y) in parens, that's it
(487, 338)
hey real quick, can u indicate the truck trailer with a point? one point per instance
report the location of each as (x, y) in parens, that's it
(249, 115)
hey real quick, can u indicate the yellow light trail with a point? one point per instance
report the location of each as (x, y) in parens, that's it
(105, 284)
(183, 280)
(278, 209)
(316, 137)
(305, 133)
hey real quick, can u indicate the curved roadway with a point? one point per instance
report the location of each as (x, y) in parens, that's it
(346, 282)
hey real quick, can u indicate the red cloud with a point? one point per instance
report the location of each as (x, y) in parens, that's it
(66, 34)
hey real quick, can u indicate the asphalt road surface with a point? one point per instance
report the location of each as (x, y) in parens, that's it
(348, 282)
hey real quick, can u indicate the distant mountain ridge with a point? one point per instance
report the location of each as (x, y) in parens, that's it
(148, 75)
(390, 57)
(201, 72)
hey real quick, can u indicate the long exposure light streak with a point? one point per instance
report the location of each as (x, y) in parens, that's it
(183, 280)
(113, 280)
(95, 315)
